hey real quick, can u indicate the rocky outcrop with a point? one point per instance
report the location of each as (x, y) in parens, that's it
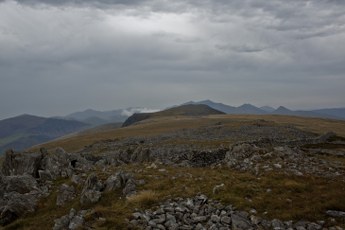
(256, 158)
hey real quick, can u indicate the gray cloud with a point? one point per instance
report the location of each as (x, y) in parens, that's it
(61, 56)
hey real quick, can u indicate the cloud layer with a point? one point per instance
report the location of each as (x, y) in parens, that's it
(62, 56)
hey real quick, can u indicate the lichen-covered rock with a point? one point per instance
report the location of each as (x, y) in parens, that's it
(66, 193)
(21, 184)
(21, 163)
(92, 190)
(56, 164)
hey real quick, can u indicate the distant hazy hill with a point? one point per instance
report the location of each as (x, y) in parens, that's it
(94, 117)
(26, 130)
(336, 113)
(183, 110)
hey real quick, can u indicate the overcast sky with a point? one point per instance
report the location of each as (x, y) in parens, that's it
(60, 56)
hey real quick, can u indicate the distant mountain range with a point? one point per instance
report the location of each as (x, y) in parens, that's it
(334, 113)
(25, 131)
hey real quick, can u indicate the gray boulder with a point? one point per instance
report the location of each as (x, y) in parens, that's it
(21, 184)
(141, 155)
(71, 221)
(121, 180)
(92, 190)
(56, 164)
(130, 188)
(14, 205)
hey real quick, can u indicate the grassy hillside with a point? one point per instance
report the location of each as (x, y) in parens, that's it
(161, 125)
(24, 131)
(272, 193)
(183, 110)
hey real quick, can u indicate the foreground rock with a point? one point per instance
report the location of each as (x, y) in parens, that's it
(201, 213)
(18, 195)
(14, 205)
(92, 190)
(74, 220)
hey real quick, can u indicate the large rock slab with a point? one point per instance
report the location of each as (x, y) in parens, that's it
(21, 163)
(21, 184)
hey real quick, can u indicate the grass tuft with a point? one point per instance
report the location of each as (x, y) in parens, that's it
(144, 198)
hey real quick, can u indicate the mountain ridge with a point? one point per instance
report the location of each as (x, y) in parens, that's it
(332, 113)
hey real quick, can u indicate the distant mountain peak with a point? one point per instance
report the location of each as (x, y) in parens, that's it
(282, 108)
(207, 101)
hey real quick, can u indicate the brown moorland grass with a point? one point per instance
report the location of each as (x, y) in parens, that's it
(163, 125)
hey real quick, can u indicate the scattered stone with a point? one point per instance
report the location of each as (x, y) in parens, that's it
(152, 166)
(216, 189)
(334, 213)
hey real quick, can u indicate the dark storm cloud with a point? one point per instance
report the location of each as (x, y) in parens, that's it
(60, 56)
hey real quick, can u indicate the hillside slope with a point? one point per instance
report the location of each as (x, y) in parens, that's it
(26, 130)
(183, 110)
